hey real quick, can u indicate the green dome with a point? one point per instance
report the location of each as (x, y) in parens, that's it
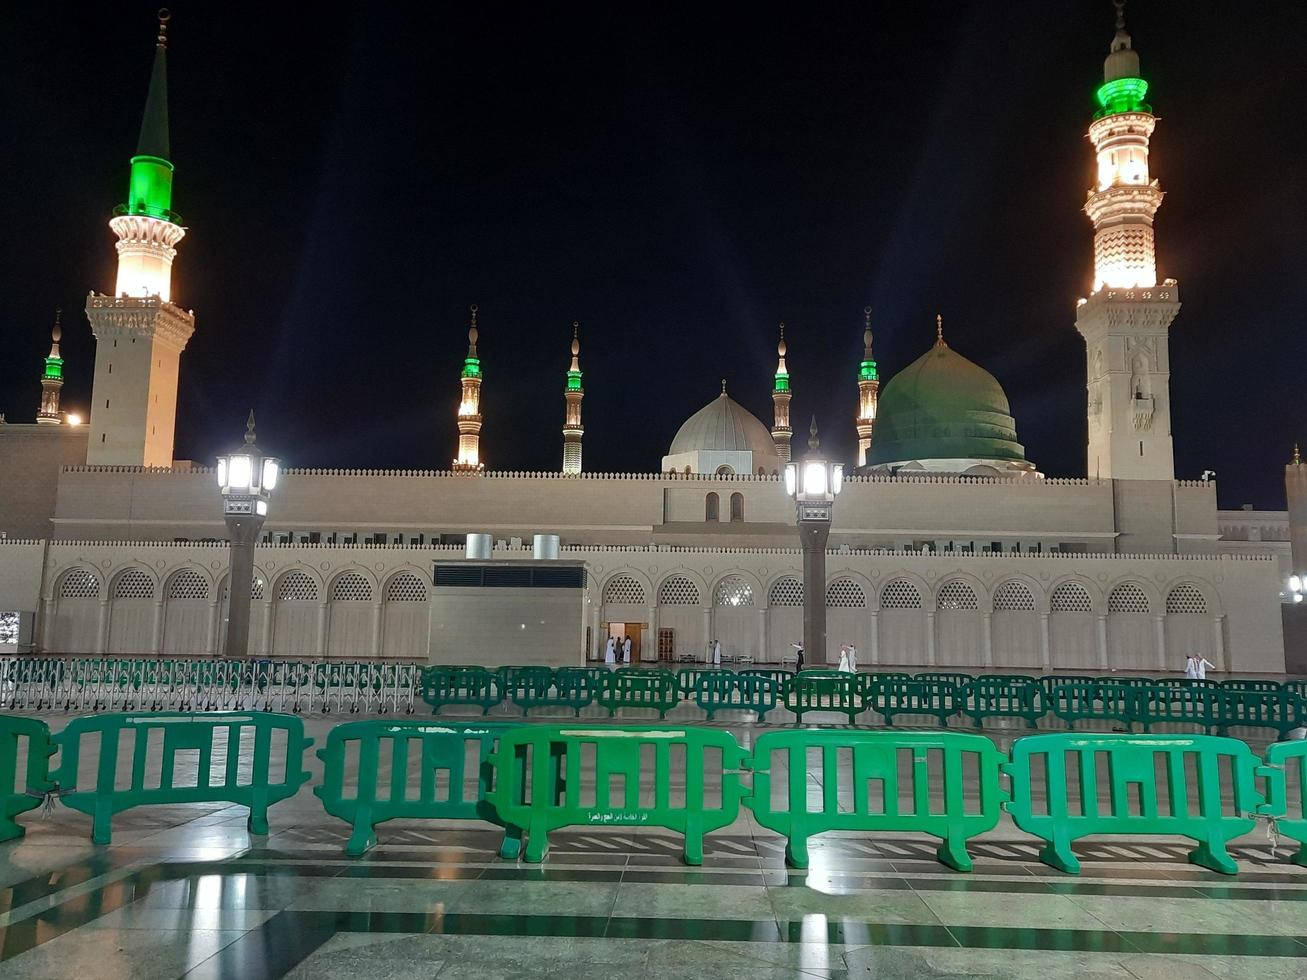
(944, 407)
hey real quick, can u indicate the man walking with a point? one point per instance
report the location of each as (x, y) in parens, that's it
(626, 651)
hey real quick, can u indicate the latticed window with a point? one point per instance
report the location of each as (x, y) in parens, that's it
(188, 584)
(734, 592)
(406, 587)
(297, 587)
(678, 591)
(133, 584)
(1127, 598)
(900, 594)
(787, 592)
(1186, 598)
(624, 589)
(351, 587)
(1071, 597)
(844, 593)
(79, 584)
(1013, 597)
(956, 595)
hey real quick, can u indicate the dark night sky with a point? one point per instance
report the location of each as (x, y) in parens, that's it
(678, 182)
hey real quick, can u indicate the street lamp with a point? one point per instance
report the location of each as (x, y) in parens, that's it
(247, 479)
(814, 483)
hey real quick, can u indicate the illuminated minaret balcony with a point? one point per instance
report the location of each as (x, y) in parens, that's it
(469, 407)
(868, 392)
(781, 432)
(572, 428)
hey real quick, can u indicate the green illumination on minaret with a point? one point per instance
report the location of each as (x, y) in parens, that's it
(1122, 95)
(867, 371)
(782, 382)
(472, 363)
(149, 189)
(574, 381)
(782, 377)
(54, 369)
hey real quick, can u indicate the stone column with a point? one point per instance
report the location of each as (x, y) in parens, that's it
(875, 637)
(102, 628)
(650, 642)
(1218, 642)
(211, 628)
(987, 637)
(320, 644)
(156, 628)
(1159, 624)
(378, 628)
(707, 633)
(761, 654)
(48, 612)
(930, 638)
(267, 627)
(1102, 642)
(1045, 643)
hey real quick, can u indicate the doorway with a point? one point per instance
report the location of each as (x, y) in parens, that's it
(620, 631)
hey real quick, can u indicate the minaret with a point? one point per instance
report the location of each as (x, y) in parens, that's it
(780, 396)
(469, 409)
(868, 391)
(139, 333)
(1126, 318)
(572, 395)
(53, 378)
(1295, 492)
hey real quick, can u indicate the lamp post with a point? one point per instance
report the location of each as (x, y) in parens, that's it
(814, 483)
(247, 478)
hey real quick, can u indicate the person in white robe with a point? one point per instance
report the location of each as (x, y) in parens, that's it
(716, 653)
(843, 668)
(626, 650)
(853, 659)
(610, 653)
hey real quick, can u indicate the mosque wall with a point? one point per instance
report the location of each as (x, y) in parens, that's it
(1031, 612)
(31, 457)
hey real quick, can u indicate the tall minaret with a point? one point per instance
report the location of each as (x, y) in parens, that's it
(139, 333)
(780, 396)
(1126, 318)
(469, 409)
(868, 392)
(53, 378)
(572, 429)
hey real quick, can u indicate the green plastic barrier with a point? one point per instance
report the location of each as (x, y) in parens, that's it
(35, 780)
(1132, 771)
(550, 792)
(687, 678)
(570, 687)
(891, 696)
(824, 690)
(1002, 696)
(526, 685)
(1297, 687)
(723, 691)
(779, 674)
(1050, 681)
(223, 772)
(928, 797)
(1184, 682)
(1280, 710)
(1247, 684)
(445, 686)
(957, 679)
(654, 689)
(1192, 705)
(1078, 700)
(1290, 756)
(1129, 680)
(436, 754)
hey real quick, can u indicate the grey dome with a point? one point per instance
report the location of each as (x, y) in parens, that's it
(723, 425)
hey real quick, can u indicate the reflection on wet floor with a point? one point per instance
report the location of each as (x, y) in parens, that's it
(187, 891)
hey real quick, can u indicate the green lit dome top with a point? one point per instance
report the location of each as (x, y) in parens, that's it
(944, 407)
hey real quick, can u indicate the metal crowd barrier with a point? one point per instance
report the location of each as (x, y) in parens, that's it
(207, 684)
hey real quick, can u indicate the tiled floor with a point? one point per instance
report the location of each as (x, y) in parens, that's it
(186, 891)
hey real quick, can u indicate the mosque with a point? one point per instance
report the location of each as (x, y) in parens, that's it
(949, 547)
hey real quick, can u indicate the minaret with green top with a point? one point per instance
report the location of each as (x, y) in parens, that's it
(1126, 318)
(868, 391)
(140, 334)
(53, 378)
(572, 428)
(780, 397)
(469, 408)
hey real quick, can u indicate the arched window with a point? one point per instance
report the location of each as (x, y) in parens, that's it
(737, 508)
(351, 587)
(625, 590)
(733, 591)
(678, 591)
(406, 587)
(1013, 597)
(786, 592)
(1186, 598)
(725, 470)
(956, 595)
(1127, 598)
(711, 508)
(78, 583)
(188, 584)
(1070, 597)
(844, 593)
(900, 594)
(134, 584)
(297, 587)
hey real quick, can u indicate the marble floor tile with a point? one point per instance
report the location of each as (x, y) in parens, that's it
(693, 901)
(1014, 911)
(111, 954)
(1187, 915)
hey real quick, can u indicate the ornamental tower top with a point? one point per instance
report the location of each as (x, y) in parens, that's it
(572, 395)
(780, 396)
(868, 392)
(52, 379)
(469, 408)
